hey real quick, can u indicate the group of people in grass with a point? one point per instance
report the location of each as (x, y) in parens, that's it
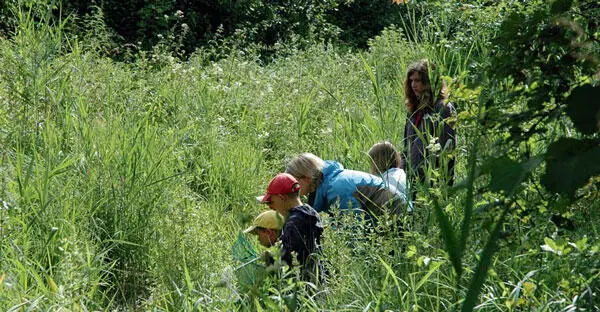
(382, 192)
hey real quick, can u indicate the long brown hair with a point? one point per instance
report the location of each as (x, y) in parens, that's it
(425, 70)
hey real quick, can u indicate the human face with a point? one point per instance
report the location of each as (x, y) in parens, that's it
(267, 237)
(416, 83)
(305, 186)
(276, 203)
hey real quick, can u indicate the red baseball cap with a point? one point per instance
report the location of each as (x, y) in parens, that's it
(283, 183)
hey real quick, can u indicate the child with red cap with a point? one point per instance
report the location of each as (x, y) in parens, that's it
(302, 230)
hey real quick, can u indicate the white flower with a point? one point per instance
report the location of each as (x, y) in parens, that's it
(434, 146)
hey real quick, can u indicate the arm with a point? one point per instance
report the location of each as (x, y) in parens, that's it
(447, 137)
(404, 144)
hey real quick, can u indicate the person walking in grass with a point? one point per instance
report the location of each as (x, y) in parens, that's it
(302, 230)
(427, 134)
(327, 183)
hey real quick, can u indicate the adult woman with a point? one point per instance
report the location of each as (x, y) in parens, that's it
(426, 122)
(327, 183)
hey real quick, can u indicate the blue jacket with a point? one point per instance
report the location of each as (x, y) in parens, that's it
(355, 190)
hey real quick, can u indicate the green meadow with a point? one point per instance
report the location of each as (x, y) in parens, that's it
(124, 185)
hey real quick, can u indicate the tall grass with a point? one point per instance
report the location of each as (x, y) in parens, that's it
(123, 186)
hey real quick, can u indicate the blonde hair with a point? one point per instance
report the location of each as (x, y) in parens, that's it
(306, 165)
(384, 156)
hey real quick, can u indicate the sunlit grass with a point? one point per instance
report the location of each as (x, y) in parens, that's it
(123, 186)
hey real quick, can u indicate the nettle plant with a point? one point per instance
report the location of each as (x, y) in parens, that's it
(546, 60)
(537, 127)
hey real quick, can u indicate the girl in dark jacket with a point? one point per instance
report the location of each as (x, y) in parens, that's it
(427, 134)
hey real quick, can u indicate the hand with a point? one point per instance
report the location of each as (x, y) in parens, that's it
(267, 257)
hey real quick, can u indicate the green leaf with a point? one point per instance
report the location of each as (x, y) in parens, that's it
(561, 6)
(580, 245)
(390, 272)
(412, 251)
(557, 247)
(570, 163)
(551, 245)
(450, 240)
(257, 305)
(508, 174)
(425, 278)
(583, 107)
(483, 266)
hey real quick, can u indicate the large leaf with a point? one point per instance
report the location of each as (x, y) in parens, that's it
(455, 251)
(484, 264)
(583, 107)
(560, 6)
(570, 163)
(507, 174)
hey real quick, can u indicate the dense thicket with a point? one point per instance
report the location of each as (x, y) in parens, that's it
(124, 184)
(185, 26)
(181, 26)
(195, 24)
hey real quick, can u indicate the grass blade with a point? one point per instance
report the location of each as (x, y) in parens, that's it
(483, 266)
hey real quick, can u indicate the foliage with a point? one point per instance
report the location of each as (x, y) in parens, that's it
(360, 20)
(5, 18)
(123, 186)
(549, 79)
(183, 26)
(554, 80)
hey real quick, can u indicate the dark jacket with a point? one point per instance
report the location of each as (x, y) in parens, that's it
(419, 127)
(301, 234)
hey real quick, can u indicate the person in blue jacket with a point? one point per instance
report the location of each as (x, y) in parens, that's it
(327, 183)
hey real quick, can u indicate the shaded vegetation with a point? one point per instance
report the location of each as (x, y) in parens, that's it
(126, 173)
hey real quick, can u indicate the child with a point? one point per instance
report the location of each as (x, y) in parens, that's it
(302, 230)
(386, 162)
(267, 226)
(250, 274)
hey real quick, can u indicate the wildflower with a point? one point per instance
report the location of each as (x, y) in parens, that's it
(434, 146)
(185, 28)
